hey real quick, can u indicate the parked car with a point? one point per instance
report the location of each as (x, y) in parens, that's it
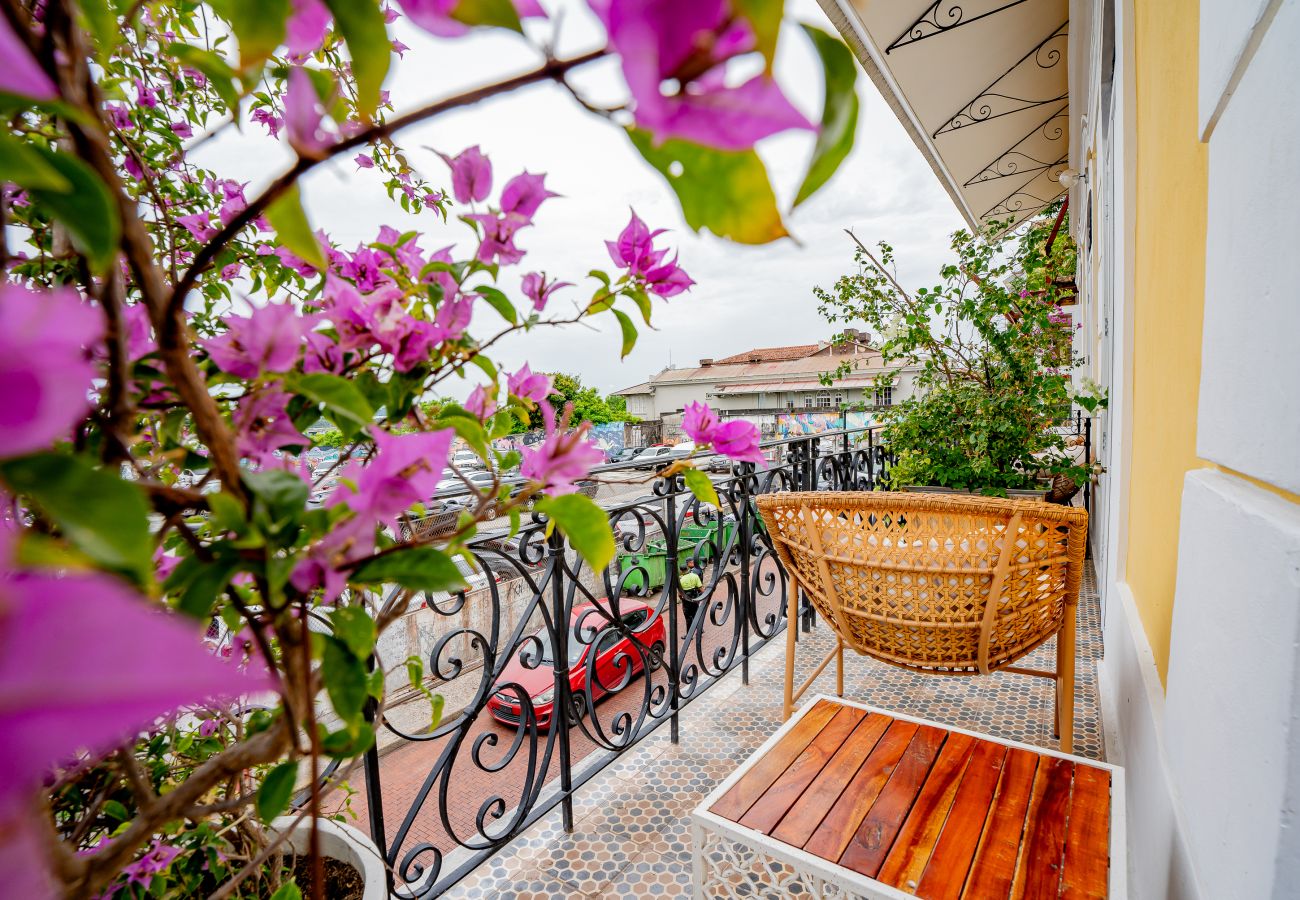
(662, 454)
(612, 651)
(466, 459)
(625, 454)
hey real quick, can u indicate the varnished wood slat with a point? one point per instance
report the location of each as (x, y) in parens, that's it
(840, 824)
(994, 866)
(916, 839)
(945, 873)
(737, 801)
(769, 809)
(828, 787)
(874, 837)
(1087, 841)
(1038, 870)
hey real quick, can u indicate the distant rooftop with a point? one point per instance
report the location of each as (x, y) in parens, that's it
(770, 354)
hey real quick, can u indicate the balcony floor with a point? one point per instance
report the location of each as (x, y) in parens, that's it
(631, 834)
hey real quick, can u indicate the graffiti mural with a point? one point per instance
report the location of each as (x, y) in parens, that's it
(803, 424)
(608, 437)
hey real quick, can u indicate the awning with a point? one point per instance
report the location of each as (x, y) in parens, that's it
(980, 85)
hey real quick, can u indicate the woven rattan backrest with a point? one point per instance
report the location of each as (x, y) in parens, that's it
(908, 578)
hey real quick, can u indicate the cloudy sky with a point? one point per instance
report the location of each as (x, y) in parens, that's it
(745, 296)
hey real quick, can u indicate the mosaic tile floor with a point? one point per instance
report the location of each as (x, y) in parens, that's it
(631, 833)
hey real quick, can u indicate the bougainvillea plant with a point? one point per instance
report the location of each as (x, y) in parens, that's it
(991, 348)
(184, 634)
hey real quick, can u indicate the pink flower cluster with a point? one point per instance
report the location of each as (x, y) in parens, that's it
(635, 251)
(404, 470)
(675, 56)
(735, 439)
(522, 196)
(563, 457)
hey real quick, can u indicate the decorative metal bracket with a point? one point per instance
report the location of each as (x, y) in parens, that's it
(1016, 161)
(991, 104)
(940, 17)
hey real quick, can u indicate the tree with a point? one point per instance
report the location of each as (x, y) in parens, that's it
(588, 404)
(993, 348)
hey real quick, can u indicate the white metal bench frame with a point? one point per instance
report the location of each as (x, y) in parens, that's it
(723, 850)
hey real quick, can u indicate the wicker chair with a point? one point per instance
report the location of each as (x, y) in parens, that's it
(929, 582)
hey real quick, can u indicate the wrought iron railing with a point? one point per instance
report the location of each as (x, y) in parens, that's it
(622, 656)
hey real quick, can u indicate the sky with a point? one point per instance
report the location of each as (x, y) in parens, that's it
(744, 296)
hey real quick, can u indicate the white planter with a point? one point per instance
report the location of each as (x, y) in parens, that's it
(342, 842)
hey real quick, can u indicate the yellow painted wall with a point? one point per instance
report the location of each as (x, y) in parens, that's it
(1169, 290)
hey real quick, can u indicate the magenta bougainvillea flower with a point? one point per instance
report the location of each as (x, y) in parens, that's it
(675, 55)
(304, 115)
(267, 341)
(537, 289)
(434, 16)
(563, 457)
(471, 175)
(69, 688)
(405, 470)
(305, 30)
(20, 73)
(263, 426)
(45, 368)
(524, 193)
(635, 251)
(498, 244)
(735, 439)
(481, 403)
(529, 385)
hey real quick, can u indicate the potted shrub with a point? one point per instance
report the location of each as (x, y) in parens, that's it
(989, 351)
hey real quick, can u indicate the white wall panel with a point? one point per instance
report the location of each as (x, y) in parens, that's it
(1227, 28)
(1232, 722)
(1250, 374)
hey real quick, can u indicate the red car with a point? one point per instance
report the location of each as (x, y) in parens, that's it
(614, 653)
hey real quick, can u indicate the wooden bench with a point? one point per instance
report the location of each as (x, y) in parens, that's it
(846, 800)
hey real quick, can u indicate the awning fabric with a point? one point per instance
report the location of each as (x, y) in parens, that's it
(981, 87)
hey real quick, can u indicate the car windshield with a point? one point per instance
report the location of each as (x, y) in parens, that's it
(577, 649)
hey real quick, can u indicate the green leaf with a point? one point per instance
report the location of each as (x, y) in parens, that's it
(839, 112)
(344, 403)
(642, 301)
(276, 790)
(259, 25)
(280, 498)
(346, 743)
(585, 524)
(629, 331)
(500, 302)
(87, 210)
(345, 680)
(100, 19)
(195, 584)
(354, 627)
(220, 75)
(701, 486)
(288, 891)
(361, 22)
(415, 568)
(100, 514)
(764, 17)
(116, 810)
(24, 166)
(290, 223)
(499, 13)
(725, 192)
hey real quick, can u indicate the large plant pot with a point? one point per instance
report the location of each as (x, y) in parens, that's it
(341, 842)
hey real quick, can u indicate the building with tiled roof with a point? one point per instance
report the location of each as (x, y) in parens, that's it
(764, 384)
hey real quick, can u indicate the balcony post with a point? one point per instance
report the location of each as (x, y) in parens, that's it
(744, 536)
(670, 593)
(562, 701)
